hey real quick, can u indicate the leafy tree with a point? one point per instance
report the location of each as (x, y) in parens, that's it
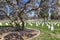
(20, 11)
(44, 9)
(44, 15)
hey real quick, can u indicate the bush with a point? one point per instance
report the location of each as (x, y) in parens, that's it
(44, 15)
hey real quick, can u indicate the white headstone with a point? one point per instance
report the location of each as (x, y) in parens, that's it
(20, 23)
(52, 27)
(0, 23)
(30, 23)
(42, 24)
(55, 23)
(37, 24)
(58, 25)
(49, 26)
(6, 24)
(13, 23)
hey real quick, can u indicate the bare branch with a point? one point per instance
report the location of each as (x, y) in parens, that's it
(33, 9)
(19, 14)
(24, 7)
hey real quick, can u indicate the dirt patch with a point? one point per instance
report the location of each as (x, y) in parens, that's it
(55, 35)
(10, 34)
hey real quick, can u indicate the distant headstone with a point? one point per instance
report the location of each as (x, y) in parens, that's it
(52, 27)
(48, 26)
(55, 23)
(42, 24)
(0, 23)
(13, 23)
(58, 25)
(30, 23)
(37, 24)
(6, 24)
(20, 23)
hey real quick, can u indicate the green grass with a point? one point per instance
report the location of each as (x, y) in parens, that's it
(4, 25)
(45, 33)
(52, 21)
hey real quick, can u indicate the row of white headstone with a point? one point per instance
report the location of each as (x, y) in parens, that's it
(51, 26)
(6, 24)
(2, 24)
(38, 23)
(31, 23)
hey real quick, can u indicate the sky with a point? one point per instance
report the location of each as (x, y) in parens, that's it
(51, 7)
(50, 2)
(8, 9)
(36, 3)
(31, 14)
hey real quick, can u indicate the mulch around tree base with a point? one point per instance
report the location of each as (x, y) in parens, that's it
(9, 33)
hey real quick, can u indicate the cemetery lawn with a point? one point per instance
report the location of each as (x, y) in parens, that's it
(45, 32)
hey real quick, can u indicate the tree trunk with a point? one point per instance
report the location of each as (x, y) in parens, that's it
(44, 19)
(17, 26)
(22, 23)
